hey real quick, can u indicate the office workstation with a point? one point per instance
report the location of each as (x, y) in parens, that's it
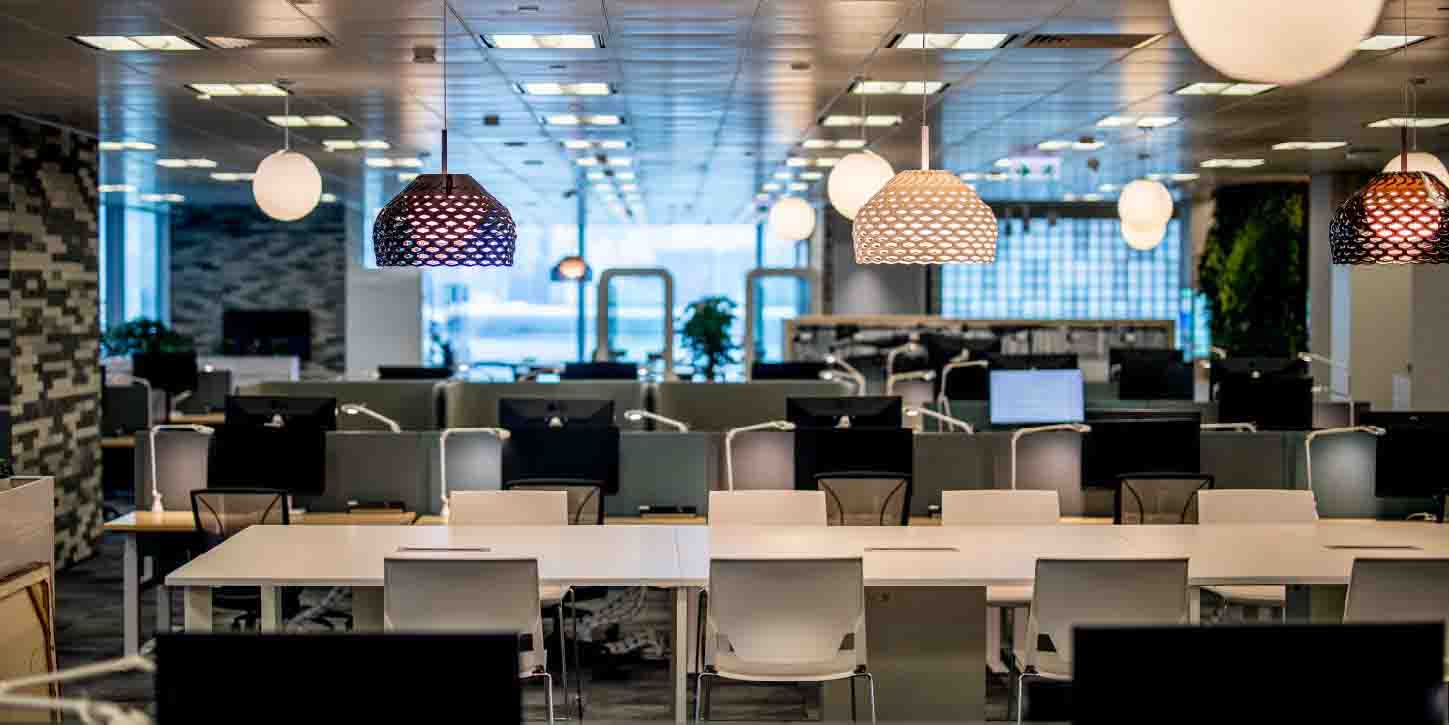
(760, 362)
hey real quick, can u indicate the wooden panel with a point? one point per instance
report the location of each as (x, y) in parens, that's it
(27, 635)
(27, 523)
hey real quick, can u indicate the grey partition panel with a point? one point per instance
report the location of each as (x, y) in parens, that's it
(1248, 460)
(763, 460)
(722, 406)
(1344, 476)
(665, 469)
(1046, 461)
(975, 412)
(412, 403)
(949, 462)
(181, 466)
(475, 405)
(1334, 414)
(367, 466)
(475, 463)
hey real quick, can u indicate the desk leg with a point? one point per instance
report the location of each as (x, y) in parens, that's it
(1194, 605)
(271, 619)
(198, 609)
(163, 609)
(367, 605)
(679, 659)
(131, 595)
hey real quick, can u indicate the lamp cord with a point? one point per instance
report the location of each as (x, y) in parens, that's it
(444, 49)
(286, 120)
(925, 129)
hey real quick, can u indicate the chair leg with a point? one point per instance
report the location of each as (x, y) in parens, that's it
(853, 717)
(563, 652)
(548, 694)
(1020, 697)
(870, 685)
(701, 691)
(578, 661)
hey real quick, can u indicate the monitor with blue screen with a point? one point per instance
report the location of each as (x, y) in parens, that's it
(1030, 397)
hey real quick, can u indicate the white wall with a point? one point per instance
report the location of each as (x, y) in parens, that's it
(1430, 338)
(384, 310)
(1381, 304)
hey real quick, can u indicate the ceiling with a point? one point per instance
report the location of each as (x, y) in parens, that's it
(715, 94)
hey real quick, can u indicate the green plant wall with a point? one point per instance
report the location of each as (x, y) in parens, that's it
(1254, 269)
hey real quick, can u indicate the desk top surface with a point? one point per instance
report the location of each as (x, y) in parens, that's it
(147, 522)
(198, 418)
(678, 555)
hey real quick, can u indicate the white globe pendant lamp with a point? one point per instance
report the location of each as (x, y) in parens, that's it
(855, 179)
(1143, 238)
(1419, 162)
(791, 219)
(1144, 204)
(287, 185)
(1283, 42)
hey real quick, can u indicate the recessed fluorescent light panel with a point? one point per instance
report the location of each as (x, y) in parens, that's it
(327, 121)
(401, 163)
(186, 163)
(811, 176)
(1138, 121)
(783, 175)
(406, 176)
(970, 176)
(1054, 145)
(798, 186)
(874, 120)
(576, 119)
(132, 43)
(237, 89)
(232, 176)
(347, 144)
(950, 41)
(1232, 163)
(1389, 42)
(329, 198)
(1309, 145)
(771, 186)
(565, 89)
(796, 161)
(115, 188)
(826, 162)
(897, 88)
(126, 146)
(533, 41)
(163, 198)
(1420, 122)
(1224, 89)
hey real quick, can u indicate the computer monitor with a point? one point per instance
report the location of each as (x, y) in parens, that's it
(967, 383)
(852, 450)
(284, 458)
(862, 412)
(600, 371)
(1161, 379)
(1272, 402)
(336, 677)
(172, 372)
(1029, 397)
(1063, 361)
(1140, 441)
(1118, 356)
(212, 389)
(413, 372)
(125, 409)
(514, 413)
(589, 453)
(267, 332)
(1225, 674)
(293, 413)
(1257, 368)
(1410, 457)
(797, 370)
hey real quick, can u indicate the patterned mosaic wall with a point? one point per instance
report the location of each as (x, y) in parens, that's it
(234, 257)
(49, 333)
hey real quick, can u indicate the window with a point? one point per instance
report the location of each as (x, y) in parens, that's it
(135, 258)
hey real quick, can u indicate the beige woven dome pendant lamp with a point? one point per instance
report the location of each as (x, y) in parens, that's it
(925, 216)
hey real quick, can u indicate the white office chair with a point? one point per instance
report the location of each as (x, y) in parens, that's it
(985, 508)
(785, 620)
(1073, 592)
(767, 508)
(468, 591)
(1398, 590)
(1255, 506)
(526, 508)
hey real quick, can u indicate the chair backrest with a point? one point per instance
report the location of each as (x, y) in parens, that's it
(585, 498)
(974, 508)
(1256, 506)
(1071, 592)
(865, 499)
(1398, 590)
(438, 590)
(787, 610)
(508, 508)
(767, 508)
(1159, 498)
(223, 513)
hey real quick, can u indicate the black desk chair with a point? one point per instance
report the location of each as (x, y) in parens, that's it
(223, 513)
(866, 498)
(586, 496)
(1159, 498)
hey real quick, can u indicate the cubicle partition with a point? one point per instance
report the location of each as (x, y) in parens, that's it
(665, 469)
(475, 405)
(414, 404)
(722, 406)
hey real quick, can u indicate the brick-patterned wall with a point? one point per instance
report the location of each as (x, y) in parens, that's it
(235, 257)
(49, 328)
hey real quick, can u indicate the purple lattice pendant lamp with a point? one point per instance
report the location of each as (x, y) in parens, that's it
(444, 220)
(1399, 217)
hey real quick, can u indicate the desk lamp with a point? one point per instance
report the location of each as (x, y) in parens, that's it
(1017, 434)
(893, 378)
(1310, 358)
(913, 347)
(641, 415)
(954, 365)
(499, 433)
(361, 409)
(849, 370)
(954, 422)
(1231, 427)
(781, 425)
(1308, 443)
(156, 506)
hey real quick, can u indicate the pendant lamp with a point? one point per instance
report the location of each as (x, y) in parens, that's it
(1144, 204)
(858, 176)
(1283, 42)
(925, 216)
(572, 268)
(1143, 238)
(1420, 161)
(287, 185)
(444, 220)
(791, 219)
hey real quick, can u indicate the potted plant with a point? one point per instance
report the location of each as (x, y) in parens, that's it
(706, 334)
(159, 354)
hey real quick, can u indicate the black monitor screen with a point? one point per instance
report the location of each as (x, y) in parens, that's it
(1121, 355)
(1218, 674)
(863, 412)
(1155, 380)
(1065, 361)
(971, 382)
(588, 453)
(267, 332)
(555, 412)
(1258, 368)
(287, 459)
(1139, 441)
(600, 371)
(412, 372)
(1270, 402)
(851, 450)
(800, 370)
(281, 411)
(173, 372)
(1409, 462)
(197, 677)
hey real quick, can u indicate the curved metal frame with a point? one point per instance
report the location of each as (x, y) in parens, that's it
(601, 313)
(809, 276)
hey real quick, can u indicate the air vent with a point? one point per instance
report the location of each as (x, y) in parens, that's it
(1087, 41)
(268, 42)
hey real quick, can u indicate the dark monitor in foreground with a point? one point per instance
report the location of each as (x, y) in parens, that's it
(1236, 674)
(1065, 361)
(173, 372)
(862, 412)
(255, 411)
(798, 370)
(286, 459)
(1030, 397)
(1155, 380)
(320, 678)
(600, 371)
(555, 413)
(578, 453)
(1410, 458)
(1140, 441)
(412, 372)
(1270, 402)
